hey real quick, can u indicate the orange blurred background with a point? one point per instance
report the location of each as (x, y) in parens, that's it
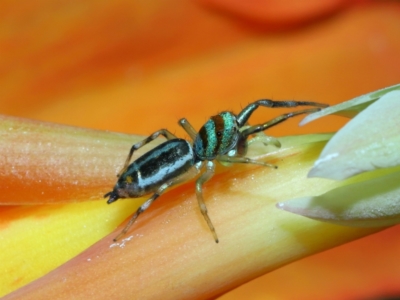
(138, 66)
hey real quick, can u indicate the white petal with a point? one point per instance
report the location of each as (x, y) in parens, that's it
(352, 107)
(370, 203)
(369, 141)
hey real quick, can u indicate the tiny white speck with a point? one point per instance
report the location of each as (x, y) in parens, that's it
(89, 259)
(114, 245)
(280, 205)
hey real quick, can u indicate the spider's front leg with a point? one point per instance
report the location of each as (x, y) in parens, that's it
(261, 127)
(262, 137)
(245, 114)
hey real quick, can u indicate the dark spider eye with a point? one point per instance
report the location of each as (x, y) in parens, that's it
(219, 133)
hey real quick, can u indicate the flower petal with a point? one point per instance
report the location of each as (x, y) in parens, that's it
(369, 203)
(369, 141)
(46, 163)
(352, 107)
(38, 238)
(171, 249)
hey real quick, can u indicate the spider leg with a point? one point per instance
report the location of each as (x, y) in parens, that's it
(288, 103)
(275, 121)
(262, 137)
(164, 132)
(188, 128)
(210, 169)
(141, 209)
(188, 175)
(244, 160)
(245, 114)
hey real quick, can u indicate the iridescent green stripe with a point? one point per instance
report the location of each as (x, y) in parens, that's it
(212, 140)
(227, 131)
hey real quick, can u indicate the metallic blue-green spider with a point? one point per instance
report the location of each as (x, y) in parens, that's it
(224, 138)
